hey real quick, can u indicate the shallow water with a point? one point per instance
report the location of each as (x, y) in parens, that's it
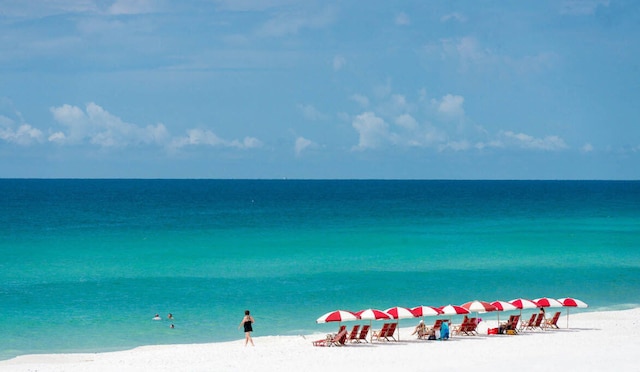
(96, 259)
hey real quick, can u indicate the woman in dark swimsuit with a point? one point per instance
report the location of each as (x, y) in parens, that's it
(246, 323)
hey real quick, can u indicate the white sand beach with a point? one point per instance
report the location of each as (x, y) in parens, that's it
(595, 341)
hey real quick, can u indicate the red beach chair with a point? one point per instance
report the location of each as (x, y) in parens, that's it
(391, 331)
(526, 324)
(353, 335)
(338, 340)
(363, 334)
(553, 322)
(382, 333)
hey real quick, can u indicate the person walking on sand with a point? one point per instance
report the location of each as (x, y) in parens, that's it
(246, 322)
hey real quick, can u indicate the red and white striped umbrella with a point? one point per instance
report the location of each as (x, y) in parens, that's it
(425, 311)
(547, 302)
(453, 310)
(571, 302)
(337, 316)
(502, 306)
(479, 306)
(399, 312)
(522, 303)
(372, 314)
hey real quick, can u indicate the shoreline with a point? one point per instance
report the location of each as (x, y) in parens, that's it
(595, 340)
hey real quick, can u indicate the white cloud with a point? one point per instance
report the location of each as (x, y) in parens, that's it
(525, 141)
(252, 5)
(37, 9)
(57, 137)
(202, 137)
(407, 121)
(97, 126)
(373, 131)
(338, 63)
(311, 113)
(461, 145)
(471, 55)
(450, 106)
(587, 147)
(360, 99)
(411, 131)
(402, 19)
(133, 7)
(24, 134)
(582, 7)
(303, 144)
(453, 17)
(290, 23)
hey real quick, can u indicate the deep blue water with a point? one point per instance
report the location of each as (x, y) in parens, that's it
(94, 260)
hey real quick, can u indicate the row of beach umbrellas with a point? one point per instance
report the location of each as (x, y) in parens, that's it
(466, 308)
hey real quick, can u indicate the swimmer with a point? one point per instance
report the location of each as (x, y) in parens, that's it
(172, 326)
(157, 317)
(170, 316)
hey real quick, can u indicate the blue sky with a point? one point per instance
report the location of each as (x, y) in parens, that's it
(320, 89)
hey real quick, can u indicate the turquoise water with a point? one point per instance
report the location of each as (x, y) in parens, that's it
(87, 263)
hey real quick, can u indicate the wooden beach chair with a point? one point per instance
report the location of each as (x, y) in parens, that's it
(525, 324)
(472, 327)
(540, 322)
(353, 335)
(514, 323)
(511, 324)
(553, 322)
(382, 333)
(391, 331)
(468, 327)
(508, 324)
(535, 322)
(363, 334)
(436, 325)
(338, 339)
(457, 330)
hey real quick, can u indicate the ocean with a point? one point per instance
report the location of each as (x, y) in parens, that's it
(86, 264)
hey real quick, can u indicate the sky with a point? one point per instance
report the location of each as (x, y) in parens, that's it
(329, 89)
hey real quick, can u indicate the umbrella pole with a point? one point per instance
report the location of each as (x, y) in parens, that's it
(567, 318)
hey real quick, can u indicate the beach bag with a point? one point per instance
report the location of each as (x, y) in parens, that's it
(492, 331)
(432, 337)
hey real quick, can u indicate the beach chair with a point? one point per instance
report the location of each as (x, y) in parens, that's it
(363, 334)
(353, 335)
(511, 324)
(540, 322)
(535, 322)
(468, 327)
(457, 330)
(504, 326)
(514, 323)
(391, 331)
(382, 333)
(525, 324)
(338, 339)
(436, 325)
(472, 327)
(553, 322)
